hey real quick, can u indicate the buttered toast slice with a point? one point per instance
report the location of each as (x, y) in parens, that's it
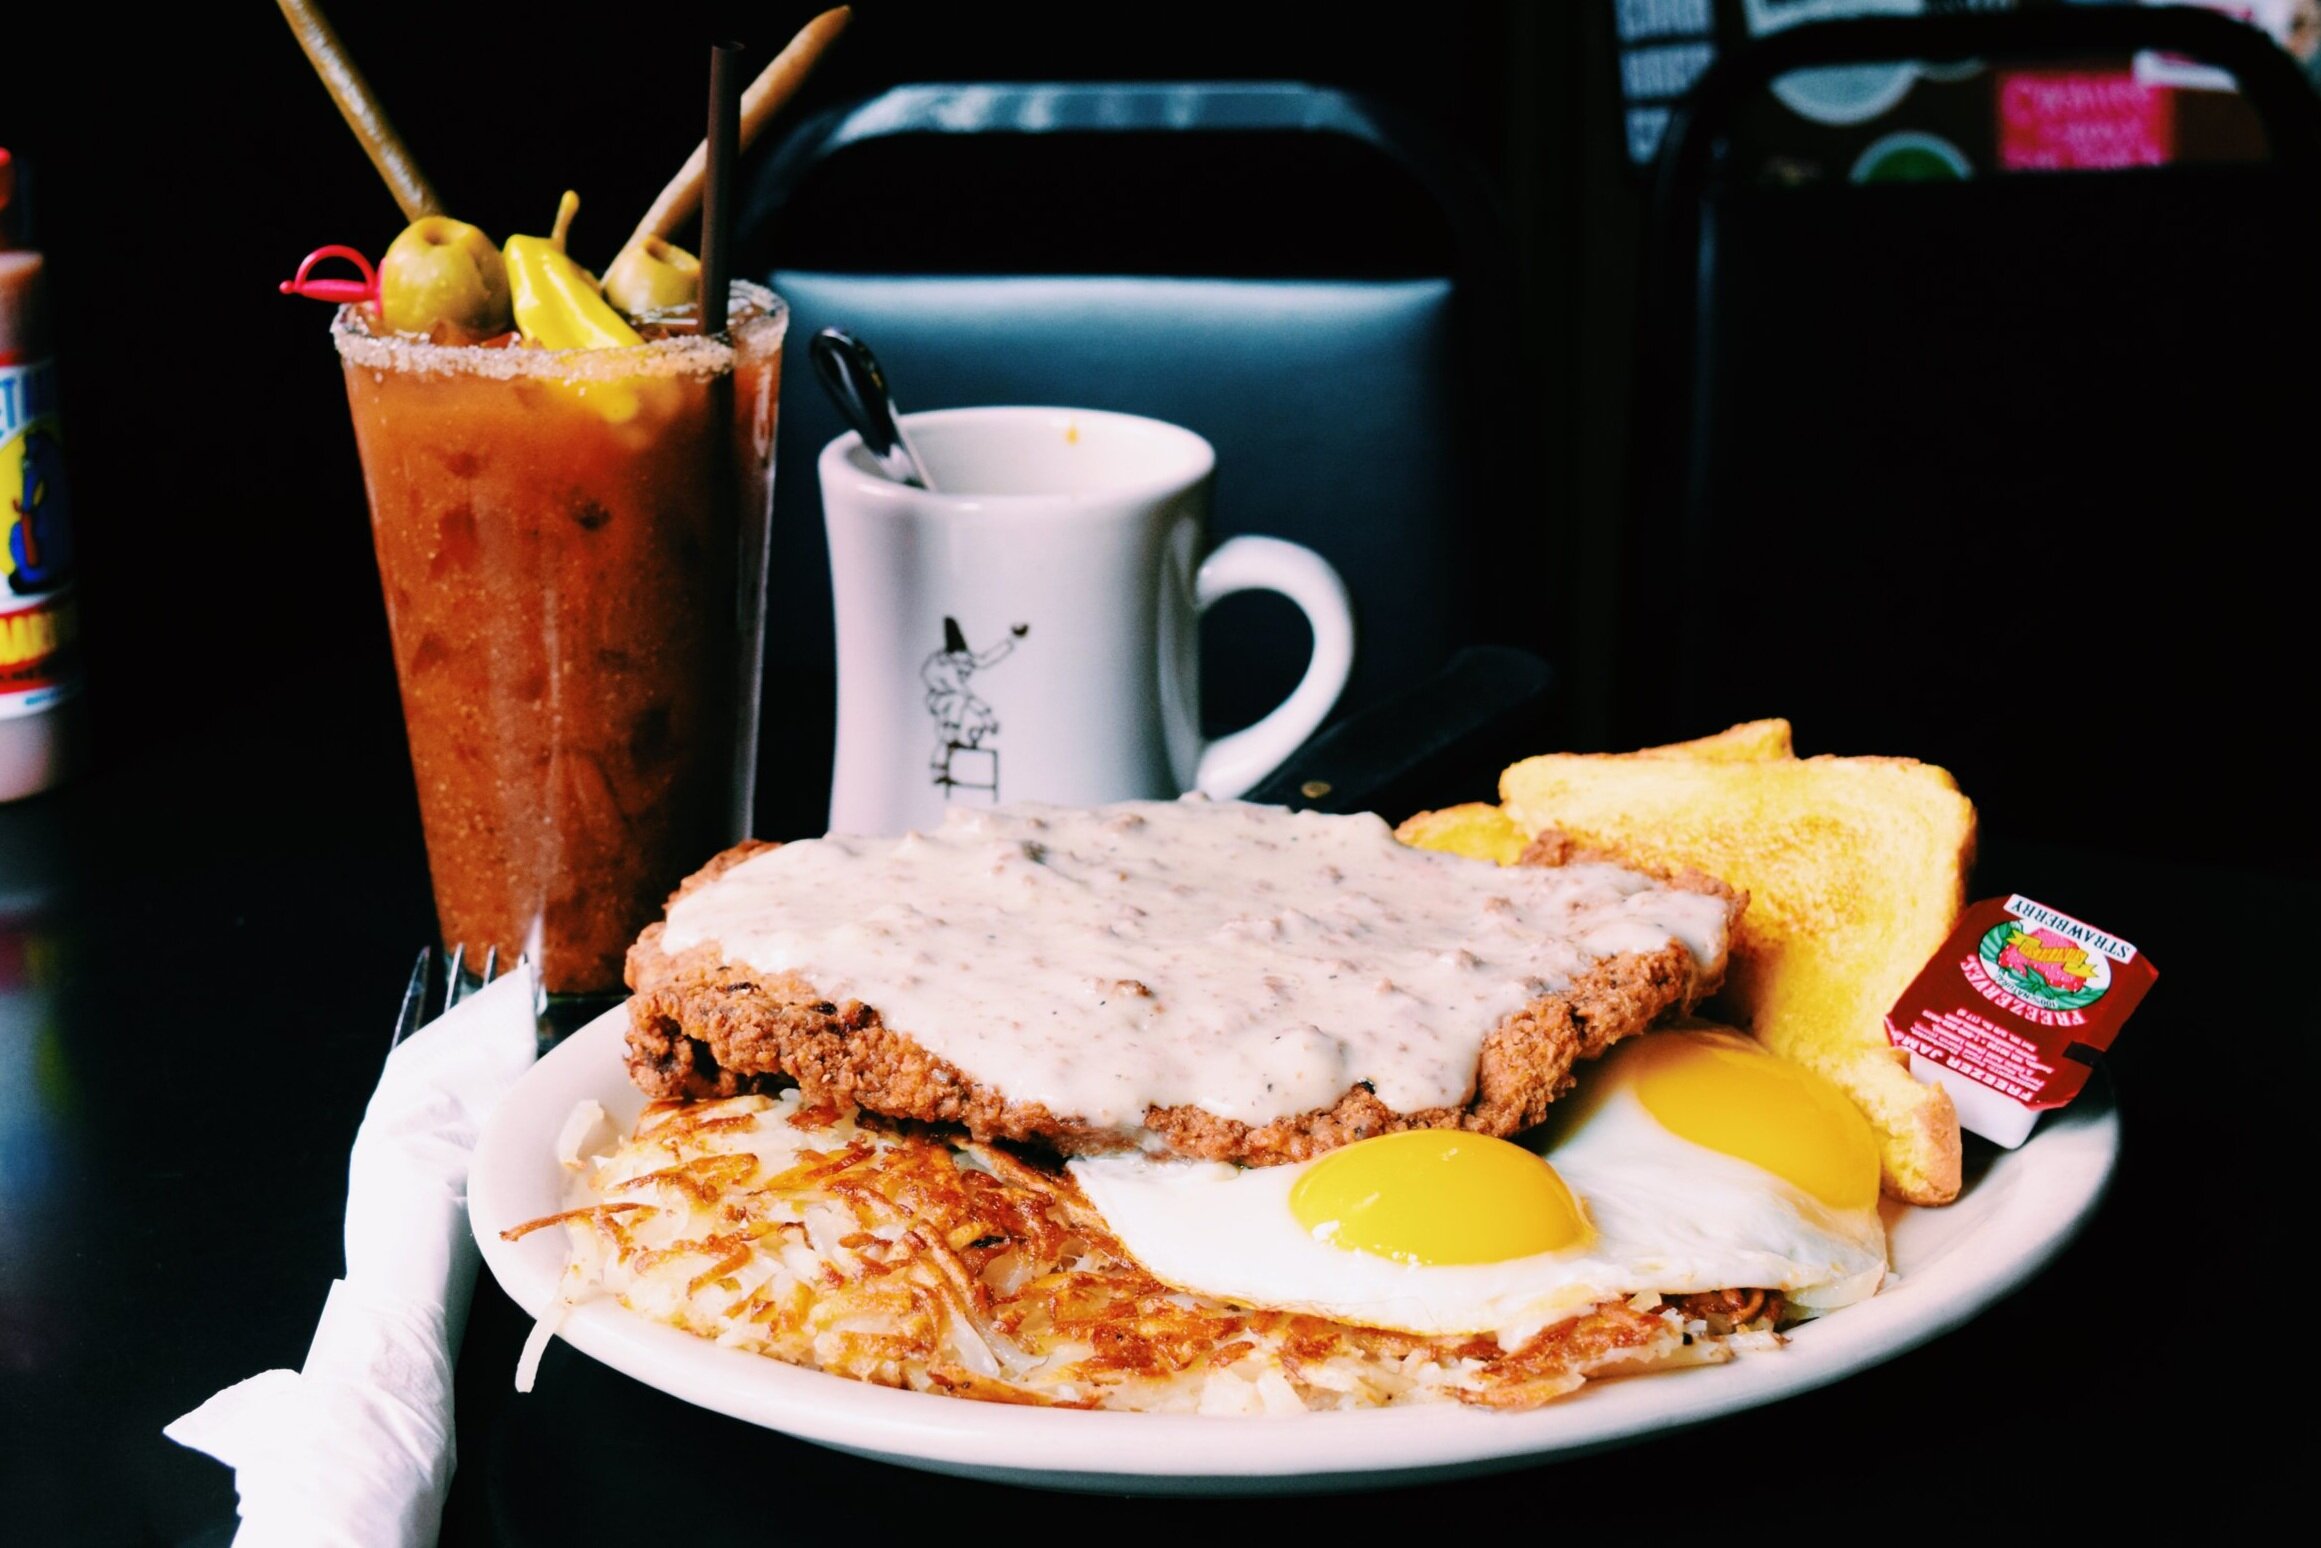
(1483, 832)
(1855, 869)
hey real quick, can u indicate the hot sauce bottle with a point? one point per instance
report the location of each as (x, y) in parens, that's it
(39, 645)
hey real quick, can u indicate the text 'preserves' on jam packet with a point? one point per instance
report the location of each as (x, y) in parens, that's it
(2009, 1015)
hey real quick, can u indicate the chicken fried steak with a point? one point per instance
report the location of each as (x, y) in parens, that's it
(1220, 981)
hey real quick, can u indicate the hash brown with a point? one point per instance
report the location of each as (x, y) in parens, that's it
(881, 1252)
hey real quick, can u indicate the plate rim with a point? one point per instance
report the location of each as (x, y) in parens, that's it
(2048, 1190)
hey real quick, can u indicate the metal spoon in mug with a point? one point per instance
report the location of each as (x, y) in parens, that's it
(851, 376)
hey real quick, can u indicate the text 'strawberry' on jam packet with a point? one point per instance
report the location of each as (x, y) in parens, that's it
(2013, 1009)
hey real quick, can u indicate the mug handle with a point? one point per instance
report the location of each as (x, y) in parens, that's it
(1232, 764)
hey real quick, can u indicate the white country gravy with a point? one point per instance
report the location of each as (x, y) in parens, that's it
(1249, 960)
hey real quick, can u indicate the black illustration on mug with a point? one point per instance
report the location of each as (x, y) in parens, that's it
(965, 764)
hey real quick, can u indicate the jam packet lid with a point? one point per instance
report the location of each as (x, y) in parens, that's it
(2011, 1013)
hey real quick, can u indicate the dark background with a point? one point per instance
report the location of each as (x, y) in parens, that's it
(185, 166)
(182, 167)
(237, 883)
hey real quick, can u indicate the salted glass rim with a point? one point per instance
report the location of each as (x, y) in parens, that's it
(685, 355)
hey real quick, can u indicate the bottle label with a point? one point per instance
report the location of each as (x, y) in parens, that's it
(39, 627)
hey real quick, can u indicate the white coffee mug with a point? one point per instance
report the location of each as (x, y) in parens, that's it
(1030, 630)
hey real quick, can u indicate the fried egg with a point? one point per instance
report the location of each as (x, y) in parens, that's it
(1687, 1161)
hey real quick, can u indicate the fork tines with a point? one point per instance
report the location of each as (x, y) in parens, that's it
(456, 987)
(414, 999)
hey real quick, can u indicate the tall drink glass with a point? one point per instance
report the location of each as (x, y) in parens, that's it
(573, 549)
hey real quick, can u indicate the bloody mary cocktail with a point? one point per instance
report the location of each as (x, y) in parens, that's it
(573, 547)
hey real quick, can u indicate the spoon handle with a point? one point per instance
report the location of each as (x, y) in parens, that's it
(850, 374)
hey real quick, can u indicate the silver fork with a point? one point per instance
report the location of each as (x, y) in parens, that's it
(455, 988)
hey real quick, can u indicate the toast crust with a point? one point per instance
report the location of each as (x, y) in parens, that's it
(1751, 741)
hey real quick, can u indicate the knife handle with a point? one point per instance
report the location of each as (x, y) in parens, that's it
(1442, 741)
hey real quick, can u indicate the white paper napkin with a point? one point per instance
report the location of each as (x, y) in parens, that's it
(357, 1448)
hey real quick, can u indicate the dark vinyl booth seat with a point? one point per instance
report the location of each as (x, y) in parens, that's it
(1314, 285)
(1999, 473)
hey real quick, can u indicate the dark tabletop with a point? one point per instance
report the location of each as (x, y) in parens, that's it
(201, 948)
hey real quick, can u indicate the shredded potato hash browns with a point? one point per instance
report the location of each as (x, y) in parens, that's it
(898, 1256)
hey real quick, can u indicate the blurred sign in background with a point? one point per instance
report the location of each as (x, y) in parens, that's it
(1920, 120)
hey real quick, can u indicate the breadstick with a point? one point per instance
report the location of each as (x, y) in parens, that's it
(775, 85)
(360, 108)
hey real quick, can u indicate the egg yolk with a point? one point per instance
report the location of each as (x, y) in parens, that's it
(1723, 1091)
(1438, 1196)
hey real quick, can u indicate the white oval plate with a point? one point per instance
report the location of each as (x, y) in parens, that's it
(1950, 1264)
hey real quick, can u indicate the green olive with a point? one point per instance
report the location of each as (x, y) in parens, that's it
(652, 276)
(444, 271)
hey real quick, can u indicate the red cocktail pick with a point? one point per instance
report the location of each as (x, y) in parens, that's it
(337, 290)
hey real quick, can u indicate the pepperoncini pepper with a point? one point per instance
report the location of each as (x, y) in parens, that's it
(555, 300)
(556, 306)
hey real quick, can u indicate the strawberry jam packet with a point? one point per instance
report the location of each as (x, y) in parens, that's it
(2013, 1011)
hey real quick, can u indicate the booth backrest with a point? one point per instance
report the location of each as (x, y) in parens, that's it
(1999, 473)
(1311, 284)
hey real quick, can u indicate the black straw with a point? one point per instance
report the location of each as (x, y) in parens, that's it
(724, 141)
